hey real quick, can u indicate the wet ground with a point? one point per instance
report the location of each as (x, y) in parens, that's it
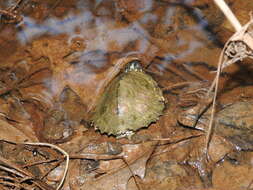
(56, 59)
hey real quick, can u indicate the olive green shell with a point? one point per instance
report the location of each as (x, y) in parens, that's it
(131, 101)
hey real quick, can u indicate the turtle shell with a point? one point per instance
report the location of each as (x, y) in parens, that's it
(132, 100)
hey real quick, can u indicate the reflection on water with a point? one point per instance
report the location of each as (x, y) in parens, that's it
(52, 26)
(108, 32)
(82, 40)
(59, 57)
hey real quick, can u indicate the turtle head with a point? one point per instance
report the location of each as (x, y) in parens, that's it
(134, 65)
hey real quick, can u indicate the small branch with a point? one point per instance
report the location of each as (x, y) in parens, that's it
(21, 172)
(229, 14)
(60, 150)
(97, 156)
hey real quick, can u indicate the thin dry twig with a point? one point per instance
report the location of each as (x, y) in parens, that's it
(23, 173)
(11, 14)
(13, 171)
(177, 85)
(249, 186)
(60, 150)
(131, 171)
(97, 156)
(235, 49)
(229, 14)
(51, 169)
(41, 162)
(216, 84)
(10, 184)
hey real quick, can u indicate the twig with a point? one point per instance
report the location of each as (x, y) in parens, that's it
(26, 173)
(97, 156)
(236, 24)
(41, 162)
(131, 171)
(12, 171)
(216, 85)
(248, 188)
(6, 183)
(229, 14)
(51, 169)
(11, 14)
(60, 150)
(177, 85)
(239, 35)
(21, 171)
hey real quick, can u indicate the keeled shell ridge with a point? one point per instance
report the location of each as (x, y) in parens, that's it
(131, 101)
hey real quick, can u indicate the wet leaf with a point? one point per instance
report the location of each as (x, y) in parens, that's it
(117, 175)
(232, 176)
(235, 124)
(57, 61)
(12, 133)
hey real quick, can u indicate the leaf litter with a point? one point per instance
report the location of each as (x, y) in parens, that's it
(50, 83)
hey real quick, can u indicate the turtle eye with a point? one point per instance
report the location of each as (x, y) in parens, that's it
(134, 65)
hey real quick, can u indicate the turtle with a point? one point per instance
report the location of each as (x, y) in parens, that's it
(131, 101)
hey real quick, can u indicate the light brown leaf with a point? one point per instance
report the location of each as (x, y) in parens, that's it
(136, 156)
(17, 133)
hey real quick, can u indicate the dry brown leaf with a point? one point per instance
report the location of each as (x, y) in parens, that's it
(232, 176)
(135, 155)
(16, 134)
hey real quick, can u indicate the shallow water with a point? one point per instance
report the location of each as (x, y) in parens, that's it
(56, 57)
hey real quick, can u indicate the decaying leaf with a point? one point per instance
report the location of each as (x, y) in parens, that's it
(117, 177)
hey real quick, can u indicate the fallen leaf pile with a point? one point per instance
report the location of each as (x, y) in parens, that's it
(57, 57)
